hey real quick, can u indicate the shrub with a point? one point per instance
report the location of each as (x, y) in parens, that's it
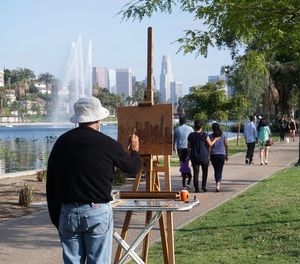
(41, 175)
(25, 197)
(120, 177)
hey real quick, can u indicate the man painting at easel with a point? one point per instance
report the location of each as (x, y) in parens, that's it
(79, 182)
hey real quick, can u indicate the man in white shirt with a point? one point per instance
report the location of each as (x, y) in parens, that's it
(250, 134)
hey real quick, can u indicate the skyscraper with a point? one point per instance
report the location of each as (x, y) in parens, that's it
(124, 82)
(112, 81)
(100, 77)
(222, 77)
(176, 91)
(166, 77)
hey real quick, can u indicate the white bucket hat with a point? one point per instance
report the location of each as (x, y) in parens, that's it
(88, 109)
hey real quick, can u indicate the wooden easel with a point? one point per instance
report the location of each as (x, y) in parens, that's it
(151, 168)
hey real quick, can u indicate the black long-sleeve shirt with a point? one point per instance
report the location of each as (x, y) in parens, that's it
(81, 168)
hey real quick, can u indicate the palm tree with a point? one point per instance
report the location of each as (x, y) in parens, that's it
(20, 80)
(47, 79)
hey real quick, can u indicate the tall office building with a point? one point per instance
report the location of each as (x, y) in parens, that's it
(222, 77)
(166, 77)
(124, 82)
(100, 77)
(176, 91)
(112, 81)
(133, 84)
(214, 78)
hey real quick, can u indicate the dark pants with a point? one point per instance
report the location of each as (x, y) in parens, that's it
(218, 161)
(281, 134)
(187, 175)
(179, 153)
(196, 167)
(250, 151)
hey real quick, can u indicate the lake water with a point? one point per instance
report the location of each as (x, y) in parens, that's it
(28, 147)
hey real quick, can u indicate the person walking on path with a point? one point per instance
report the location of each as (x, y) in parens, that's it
(282, 125)
(185, 169)
(292, 128)
(264, 134)
(218, 153)
(250, 134)
(81, 168)
(181, 134)
(199, 144)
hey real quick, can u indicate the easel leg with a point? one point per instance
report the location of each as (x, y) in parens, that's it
(170, 251)
(150, 185)
(146, 239)
(170, 238)
(163, 236)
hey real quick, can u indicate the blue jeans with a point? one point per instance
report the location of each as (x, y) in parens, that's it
(86, 233)
(218, 160)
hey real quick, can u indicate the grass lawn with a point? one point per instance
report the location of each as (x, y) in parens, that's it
(262, 225)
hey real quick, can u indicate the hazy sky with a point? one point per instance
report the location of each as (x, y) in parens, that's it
(37, 34)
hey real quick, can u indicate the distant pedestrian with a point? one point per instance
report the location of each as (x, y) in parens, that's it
(181, 134)
(199, 144)
(185, 169)
(250, 134)
(292, 128)
(218, 153)
(264, 134)
(282, 126)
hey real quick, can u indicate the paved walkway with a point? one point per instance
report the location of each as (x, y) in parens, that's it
(33, 240)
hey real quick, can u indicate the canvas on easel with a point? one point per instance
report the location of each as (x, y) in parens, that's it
(153, 126)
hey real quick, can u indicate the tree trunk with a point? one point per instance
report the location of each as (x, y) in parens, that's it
(238, 134)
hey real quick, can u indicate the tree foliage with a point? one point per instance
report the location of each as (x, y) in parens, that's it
(250, 78)
(205, 100)
(267, 23)
(269, 30)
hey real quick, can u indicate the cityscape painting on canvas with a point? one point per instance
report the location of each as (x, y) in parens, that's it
(153, 126)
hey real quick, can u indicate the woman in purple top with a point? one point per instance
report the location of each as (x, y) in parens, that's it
(218, 153)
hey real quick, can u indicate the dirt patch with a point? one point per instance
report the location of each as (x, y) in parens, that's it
(9, 196)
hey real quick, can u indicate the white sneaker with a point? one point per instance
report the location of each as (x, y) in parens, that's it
(188, 186)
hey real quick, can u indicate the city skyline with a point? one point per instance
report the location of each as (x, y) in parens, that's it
(38, 35)
(124, 84)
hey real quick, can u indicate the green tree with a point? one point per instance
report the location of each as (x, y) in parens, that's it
(269, 30)
(108, 100)
(238, 109)
(36, 108)
(48, 79)
(207, 99)
(138, 95)
(20, 80)
(250, 78)
(266, 24)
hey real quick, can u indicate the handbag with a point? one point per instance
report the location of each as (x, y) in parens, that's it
(269, 142)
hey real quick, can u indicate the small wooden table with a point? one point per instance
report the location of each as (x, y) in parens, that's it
(144, 205)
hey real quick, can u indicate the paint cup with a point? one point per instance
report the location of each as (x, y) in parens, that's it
(184, 195)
